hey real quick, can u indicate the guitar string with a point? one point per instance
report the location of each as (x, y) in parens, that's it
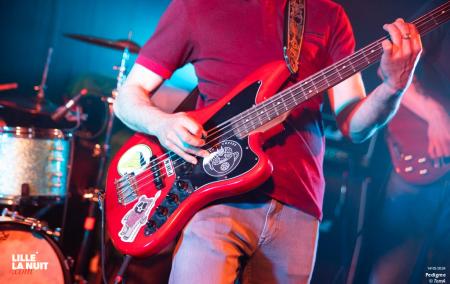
(142, 176)
(297, 86)
(287, 93)
(439, 11)
(219, 137)
(229, 131)
(287, 103)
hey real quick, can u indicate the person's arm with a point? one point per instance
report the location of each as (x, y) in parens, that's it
(434, 114)
(359, 116)
(176, 132)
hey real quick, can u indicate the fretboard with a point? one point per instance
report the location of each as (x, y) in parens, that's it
(317, 83)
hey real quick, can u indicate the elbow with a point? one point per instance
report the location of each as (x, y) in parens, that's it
(356, 135)
(118, 106)
(361, 136)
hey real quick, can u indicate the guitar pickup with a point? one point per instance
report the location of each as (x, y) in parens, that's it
(156, 171)
(126, 188)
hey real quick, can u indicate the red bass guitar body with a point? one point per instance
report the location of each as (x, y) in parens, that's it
(408, 146)
(151, 194)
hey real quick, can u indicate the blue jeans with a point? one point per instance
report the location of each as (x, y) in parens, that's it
(413, 232)
(253, 240)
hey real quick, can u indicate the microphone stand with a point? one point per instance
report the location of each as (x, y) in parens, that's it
(41, 88)
(97, 196)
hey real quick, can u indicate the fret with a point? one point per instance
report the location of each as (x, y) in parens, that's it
(248, 121)
(327, 84)
(306, 93)
(365, 57)
(258, 116)
(266, 112)
(260, 112)
(338, 72)
(311, 93)
(275, 104)
(283, 100)
(284, 104)
(352, 66)
(244, 131)
(241, 126)
(346, 68)
(292, 96)
(436, 22)
(314, 86)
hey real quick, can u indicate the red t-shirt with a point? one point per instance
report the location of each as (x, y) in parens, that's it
(225, 41)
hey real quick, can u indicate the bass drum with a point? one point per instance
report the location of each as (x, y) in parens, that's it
(29, 256)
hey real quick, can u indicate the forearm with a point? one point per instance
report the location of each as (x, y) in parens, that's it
(135, 109)
(361, 119)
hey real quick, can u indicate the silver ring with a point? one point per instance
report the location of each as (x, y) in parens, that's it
(406, 36)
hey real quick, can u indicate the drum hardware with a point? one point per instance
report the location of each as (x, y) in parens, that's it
(127, 47)
(114, 44)
(33, 223)
(41, 88)
(63, 110)
(91, 194)
(8, 86)
(28, 104)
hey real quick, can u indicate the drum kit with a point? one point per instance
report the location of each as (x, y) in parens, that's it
(35, 170)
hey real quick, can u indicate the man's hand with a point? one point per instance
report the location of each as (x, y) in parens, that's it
(400, 56)
(439, 136)
(176, 132)
(182, 135)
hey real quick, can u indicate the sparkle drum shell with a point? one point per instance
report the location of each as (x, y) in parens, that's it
(28, 256)
(38, 158)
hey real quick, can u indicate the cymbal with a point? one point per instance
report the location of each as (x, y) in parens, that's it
(30, 104)
(114, 44)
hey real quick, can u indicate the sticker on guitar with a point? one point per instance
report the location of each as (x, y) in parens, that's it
(223, 158)
(134, 160)
(136, 217)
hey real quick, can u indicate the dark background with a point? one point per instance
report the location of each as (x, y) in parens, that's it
(30, 27)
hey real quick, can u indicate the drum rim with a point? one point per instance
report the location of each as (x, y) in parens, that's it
(22, 226)
(32, 199)
(35, 132)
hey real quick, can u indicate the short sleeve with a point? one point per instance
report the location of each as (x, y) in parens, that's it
(342, 40)
(170, 46)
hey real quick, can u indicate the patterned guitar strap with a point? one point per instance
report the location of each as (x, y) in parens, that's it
(294, 26)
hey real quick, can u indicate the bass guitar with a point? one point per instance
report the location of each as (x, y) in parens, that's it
(408, 147)
(151, 193)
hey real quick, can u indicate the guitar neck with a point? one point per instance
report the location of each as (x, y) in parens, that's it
(293, 96)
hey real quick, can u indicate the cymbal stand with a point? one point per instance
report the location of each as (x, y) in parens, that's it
(99, 189)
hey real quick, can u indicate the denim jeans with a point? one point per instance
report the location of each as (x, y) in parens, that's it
(251, 240)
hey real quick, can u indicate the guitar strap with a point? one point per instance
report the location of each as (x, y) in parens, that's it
(294, 26)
